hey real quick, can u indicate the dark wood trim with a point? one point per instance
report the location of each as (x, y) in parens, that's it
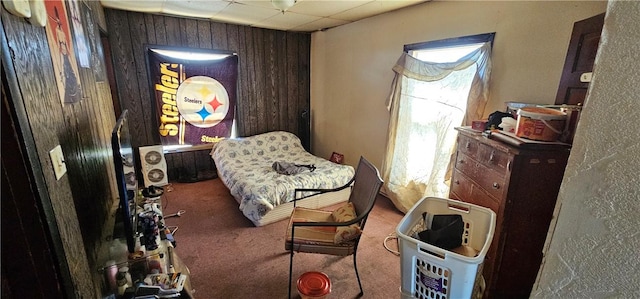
(450, 42)
(53, 271)
(189, 148)
(111, 78)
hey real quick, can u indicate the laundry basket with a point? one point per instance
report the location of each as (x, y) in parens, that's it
(428, 271)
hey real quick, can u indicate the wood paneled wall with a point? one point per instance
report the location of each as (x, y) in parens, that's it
(75, 208)
(273, 80)
(273, 93)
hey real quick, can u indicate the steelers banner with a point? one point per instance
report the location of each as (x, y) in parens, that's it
(194, 93)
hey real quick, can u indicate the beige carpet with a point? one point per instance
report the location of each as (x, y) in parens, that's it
(230, 258)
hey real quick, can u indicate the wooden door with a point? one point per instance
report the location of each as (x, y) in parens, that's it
(578, 65)
(28, 251)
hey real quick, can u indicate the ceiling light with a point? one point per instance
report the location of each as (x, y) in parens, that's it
(283, 5)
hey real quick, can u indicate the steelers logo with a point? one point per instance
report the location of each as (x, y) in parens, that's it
(202, 101)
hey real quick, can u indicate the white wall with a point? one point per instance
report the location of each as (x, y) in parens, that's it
(594, 251)
(351, 64)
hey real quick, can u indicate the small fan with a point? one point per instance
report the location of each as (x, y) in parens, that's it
(156, 175)
(153, 157)
(154, 166)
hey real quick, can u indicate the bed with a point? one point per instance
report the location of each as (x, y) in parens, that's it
(245, 167)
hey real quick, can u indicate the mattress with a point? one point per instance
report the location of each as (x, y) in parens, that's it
(245, 167)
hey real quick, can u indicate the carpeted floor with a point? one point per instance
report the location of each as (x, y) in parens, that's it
(230, 258)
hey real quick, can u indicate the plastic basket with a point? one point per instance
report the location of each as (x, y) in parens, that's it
(431, 272)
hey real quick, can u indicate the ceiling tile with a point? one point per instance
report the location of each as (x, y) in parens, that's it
(325, 8)
(286, 20)
(196, 9)
(244, 14)
(320, 24)
(150, 6)
(374, 8)
(260, 3)
(304, 15)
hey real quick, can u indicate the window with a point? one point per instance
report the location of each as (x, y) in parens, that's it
(436, 86)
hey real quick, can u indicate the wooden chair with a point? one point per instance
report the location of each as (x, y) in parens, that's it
(337, 232)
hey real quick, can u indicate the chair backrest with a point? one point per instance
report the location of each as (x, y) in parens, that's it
(366, 185)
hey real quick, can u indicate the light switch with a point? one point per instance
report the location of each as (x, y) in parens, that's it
(57, 159)
(586, 77)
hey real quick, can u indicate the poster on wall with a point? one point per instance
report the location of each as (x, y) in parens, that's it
(97, 55)
(62, 52)
(194, 91)
(80, 39)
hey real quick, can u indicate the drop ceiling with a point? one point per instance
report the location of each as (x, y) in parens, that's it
(303, 16)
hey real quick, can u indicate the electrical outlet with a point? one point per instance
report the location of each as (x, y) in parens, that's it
(57, 160)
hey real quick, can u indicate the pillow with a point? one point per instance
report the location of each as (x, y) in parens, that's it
(345, 233)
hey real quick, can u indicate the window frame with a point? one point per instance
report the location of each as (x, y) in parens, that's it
(451, 42)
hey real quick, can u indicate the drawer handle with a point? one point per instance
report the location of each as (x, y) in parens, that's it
(509, 165)
(461, 161)
(457, 182)
(496, 186)
(468, 145)
(491, 156)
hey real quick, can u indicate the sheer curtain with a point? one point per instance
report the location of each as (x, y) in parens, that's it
(427, 101)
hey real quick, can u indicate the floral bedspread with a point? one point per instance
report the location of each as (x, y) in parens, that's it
(245, 167)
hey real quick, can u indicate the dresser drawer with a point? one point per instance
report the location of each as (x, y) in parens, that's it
(461, 186)
(453, 195)
(480, 197)
(466, 190)
(468, 146)
(492, 181)
(467, 165)
(494, 159)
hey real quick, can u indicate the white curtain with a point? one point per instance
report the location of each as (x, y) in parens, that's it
(421, 127)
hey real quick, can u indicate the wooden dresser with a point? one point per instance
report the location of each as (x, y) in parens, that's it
(520, 184)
